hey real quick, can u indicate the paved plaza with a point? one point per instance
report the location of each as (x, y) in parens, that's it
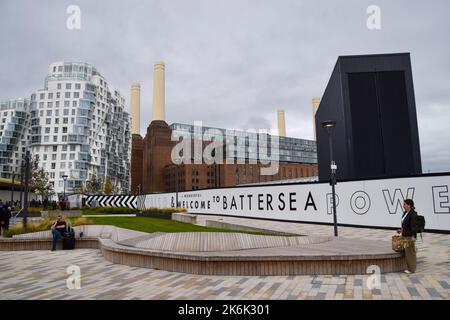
(42, 274)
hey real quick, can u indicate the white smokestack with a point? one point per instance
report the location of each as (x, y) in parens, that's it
(136, 108)
(281, 123)
(315, 106)
(159, 101)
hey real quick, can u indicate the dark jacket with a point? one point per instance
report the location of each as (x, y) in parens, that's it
(409, 224)
(5, 215)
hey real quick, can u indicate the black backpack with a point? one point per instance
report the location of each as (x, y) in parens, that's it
(420, 225)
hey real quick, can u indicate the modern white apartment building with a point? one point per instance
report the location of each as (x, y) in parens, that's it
(79, 128)
(14, 135)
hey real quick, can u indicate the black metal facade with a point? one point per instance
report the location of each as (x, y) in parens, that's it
(371, 98)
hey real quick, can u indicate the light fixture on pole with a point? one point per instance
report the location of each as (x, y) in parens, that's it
(329, 126)
(12, 189)
(64, 178)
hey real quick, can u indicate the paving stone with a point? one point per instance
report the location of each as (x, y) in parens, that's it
(39, 275)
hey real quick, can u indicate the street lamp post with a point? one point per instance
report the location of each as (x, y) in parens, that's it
(176, 184)
(328, 126)
(25, 193)
(64, 193)
(22, 176)
(12, 189)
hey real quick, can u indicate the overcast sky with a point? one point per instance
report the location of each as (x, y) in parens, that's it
(232, 63)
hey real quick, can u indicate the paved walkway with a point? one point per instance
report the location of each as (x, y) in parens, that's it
(42, 275)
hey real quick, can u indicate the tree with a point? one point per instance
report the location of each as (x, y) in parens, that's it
(93, 186)
(39, 182)
(79, 189)
(108, 188)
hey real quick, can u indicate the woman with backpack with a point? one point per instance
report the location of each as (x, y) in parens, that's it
(409, 232)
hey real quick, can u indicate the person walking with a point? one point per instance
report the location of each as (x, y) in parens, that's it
(45, 203)
(5, 215)
(409, 232)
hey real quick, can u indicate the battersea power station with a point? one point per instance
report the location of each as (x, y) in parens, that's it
(153, 168)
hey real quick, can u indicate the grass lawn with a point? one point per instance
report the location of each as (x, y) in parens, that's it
(90, 212)
(157, 225)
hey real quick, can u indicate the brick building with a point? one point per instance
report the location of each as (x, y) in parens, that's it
(154, 171)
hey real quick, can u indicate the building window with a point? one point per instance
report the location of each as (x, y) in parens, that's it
(74, 104)
(64, 155)
(77, 86)
(49, 104)
(50, 95)
(49, 113)
(76, 95)
(53, 165)
(72, 156)
(66, 104)
(64, 130)
(48, 121)
(42, 96)
(68, 86)
(67, 95)
(59, 86)
(57, 104)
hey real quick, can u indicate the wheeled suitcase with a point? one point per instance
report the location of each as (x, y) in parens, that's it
(69, 239)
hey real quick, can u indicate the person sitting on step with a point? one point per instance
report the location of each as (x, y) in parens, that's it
(58, 228)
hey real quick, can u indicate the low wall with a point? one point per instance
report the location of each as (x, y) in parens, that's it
(10, 244)
(184, 217)
(116, 245)
(230, 226)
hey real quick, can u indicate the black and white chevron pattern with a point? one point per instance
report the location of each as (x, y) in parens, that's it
(128, 201)
(141, 202)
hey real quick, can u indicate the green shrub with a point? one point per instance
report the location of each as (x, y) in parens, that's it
(43, 225)
(115, 210)
(163, 210)
(34, 210)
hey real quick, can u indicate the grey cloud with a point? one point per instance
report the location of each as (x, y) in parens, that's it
(232, 63)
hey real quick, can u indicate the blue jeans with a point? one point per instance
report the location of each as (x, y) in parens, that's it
(56, 236)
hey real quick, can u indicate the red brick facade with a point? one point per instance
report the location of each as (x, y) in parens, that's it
(158, 174)
(137, 145)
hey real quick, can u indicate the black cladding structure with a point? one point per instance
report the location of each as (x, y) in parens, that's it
(371, 98)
